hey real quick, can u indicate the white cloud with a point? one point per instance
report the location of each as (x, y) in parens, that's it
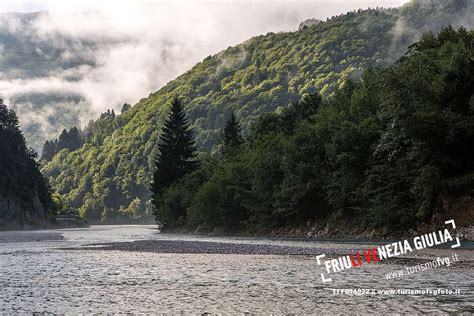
(138, 46)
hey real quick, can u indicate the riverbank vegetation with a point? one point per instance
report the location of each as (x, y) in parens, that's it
(107, 177)
(380, 150)
(25, 197)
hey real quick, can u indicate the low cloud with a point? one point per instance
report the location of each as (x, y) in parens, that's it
(108, 53)
(437, 15)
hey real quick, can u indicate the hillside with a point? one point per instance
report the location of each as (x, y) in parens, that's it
(25, 197)
(382, 155)
(108, 177)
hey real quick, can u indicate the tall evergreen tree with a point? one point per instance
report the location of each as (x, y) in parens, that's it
(176, 154)
(49, 150)
(125, 107)
(70, 140)
(232, 137)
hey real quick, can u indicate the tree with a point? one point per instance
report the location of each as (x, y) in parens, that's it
(20, 179)
(286, 121)
(426, 143)
(49, 150)
(70, 140)
(125, 107)
(232, 137)
(176, 155)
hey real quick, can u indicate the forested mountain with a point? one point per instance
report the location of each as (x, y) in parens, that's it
(25, 197)
(379, 153)
(108, 177)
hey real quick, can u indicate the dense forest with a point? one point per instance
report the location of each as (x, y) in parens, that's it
(25, 197)
(380, 151)
(108, 177)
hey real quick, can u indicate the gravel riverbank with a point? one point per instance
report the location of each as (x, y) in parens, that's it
(304, 248)
(207, 247)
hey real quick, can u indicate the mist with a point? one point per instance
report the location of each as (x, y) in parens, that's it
(103, 54)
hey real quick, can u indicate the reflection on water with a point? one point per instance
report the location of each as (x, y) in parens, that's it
(36, 275)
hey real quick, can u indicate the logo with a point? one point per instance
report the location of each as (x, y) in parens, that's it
(377, 254)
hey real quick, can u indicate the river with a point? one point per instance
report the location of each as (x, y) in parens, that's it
(71, 271)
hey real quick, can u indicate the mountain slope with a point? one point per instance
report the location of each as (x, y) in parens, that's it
(24, 193)
(108, 177)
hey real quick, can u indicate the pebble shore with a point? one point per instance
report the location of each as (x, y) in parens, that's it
(206, 247)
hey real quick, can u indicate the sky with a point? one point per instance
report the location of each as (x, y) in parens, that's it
(33, 6)
(144, 44)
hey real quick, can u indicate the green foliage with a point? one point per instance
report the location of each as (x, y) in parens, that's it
(176, 158)
(231, 137)
(125, 107)
(57, 205)
(428, 127)
(262, 75)
(381, 150)
(21, 182)
(70, 140)
(270, 183)
(218, 201)
(49, 150)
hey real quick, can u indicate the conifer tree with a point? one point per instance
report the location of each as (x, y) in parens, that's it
(176, 154)
(20, 178)
(232, 137)
(49, 150)
(70, 140)
(125, 107)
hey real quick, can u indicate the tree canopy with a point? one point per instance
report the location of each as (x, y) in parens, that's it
(231, 137)
(381, 151)
(21, 182)
(176, 157)
(114, 165)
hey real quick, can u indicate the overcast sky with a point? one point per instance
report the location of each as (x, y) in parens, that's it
(147, 43)
(75, 5)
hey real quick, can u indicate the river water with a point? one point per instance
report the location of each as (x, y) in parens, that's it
(52, 271)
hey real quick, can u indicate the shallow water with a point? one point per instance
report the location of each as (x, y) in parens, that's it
(37, 274)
